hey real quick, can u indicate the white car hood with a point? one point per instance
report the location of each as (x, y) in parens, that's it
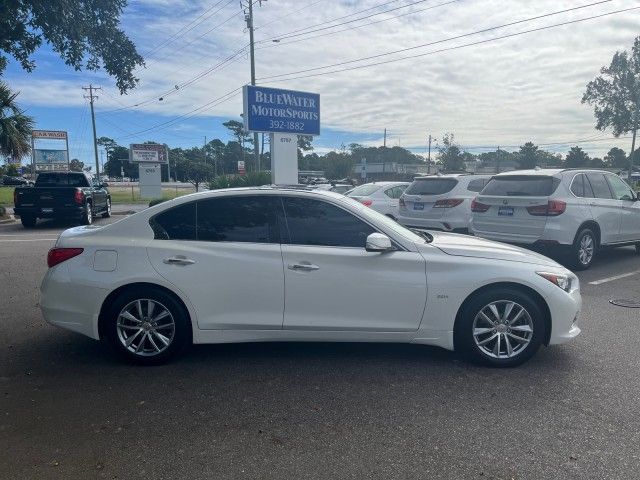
(468, 246)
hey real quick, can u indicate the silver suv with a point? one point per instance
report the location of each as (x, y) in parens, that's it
(581, 210)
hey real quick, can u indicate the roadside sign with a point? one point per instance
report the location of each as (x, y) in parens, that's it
(241, 169)
(50, 134)
(148, 153)
(273, 110)
(363, 173)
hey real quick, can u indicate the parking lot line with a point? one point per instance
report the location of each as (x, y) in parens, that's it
(616, 277)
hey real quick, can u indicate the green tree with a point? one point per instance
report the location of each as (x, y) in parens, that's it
(528, 156)
(577, 158)
(450, 155)
(197, 173)
(85, 33)
(615, 95)
(117, 164)
(304, 145)
(15, 126)
(616, 158)
(76, 165)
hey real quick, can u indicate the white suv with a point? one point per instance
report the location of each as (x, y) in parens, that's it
(440, 202)
(581, 210)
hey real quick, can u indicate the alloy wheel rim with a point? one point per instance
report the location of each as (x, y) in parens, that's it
(89, 214)
(585, 252)
(109, 207)
(502, 329)
(145, 327)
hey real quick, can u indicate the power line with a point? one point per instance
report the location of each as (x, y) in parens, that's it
(354, 27)
(479, 42)
(281, 17)
(457, 37)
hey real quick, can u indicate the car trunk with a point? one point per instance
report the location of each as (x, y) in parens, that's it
(421, 196)
(508, 199)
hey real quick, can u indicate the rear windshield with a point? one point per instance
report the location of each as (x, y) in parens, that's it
(61, 180)
(431, 186)
(364, 190)
(521, 186)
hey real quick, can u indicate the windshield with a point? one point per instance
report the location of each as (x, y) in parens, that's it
(521, 186)
(431, 186)
(364, 190)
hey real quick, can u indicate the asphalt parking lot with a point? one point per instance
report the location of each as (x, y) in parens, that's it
(295, 411)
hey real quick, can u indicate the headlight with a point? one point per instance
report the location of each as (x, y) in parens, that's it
(565, 282)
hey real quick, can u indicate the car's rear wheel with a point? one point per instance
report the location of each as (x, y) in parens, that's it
(28, 221)
(107, 212)
(500, 328)
(147, 326)
(638, 248)
(87, 216)
(584, 249)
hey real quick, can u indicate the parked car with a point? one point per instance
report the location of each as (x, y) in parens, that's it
(380, 196)
(579, 211)
(286, 264)
(69, 195)
(8, 180)
(333, 187)
(440, 202)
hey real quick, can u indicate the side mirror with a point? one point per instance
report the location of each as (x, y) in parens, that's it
(377, 242)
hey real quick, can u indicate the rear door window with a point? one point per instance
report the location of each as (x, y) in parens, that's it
(178, 223)
(364, 190)
(431, 186)
(251, 219)
(599, 185)
(521, 186)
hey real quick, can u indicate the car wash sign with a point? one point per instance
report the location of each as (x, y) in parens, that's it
(274, 110)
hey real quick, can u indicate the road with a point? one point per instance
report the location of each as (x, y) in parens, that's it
(305, 411)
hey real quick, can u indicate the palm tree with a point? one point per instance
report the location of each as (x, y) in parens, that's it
(15, 126)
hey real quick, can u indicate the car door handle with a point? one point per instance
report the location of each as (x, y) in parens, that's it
(303, 266)
(179, 260)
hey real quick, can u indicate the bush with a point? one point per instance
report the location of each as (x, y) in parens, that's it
(156, 201)
(251, 179)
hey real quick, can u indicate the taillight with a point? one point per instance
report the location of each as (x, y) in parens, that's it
(59, 255)
(79, 197)
(401, 202)
(553, 208)
(367, 202)
(448, 203)
(479, 207)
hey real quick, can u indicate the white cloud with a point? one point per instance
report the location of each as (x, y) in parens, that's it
(506, 92)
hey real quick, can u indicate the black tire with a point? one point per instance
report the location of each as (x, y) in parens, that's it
(638, 248)
(465, 342)
(582, 260)
(87, 215)
(181, 334)
(28, 221)
(107, 212)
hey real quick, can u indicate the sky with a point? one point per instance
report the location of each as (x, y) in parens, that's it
(454, 75)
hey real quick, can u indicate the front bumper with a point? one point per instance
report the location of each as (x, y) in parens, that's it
(565, 310)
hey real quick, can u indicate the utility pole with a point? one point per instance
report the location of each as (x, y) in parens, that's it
(385, 138)
(498, 160)
(429, 157)
(91, 98)
(633, 152)
(249, 19)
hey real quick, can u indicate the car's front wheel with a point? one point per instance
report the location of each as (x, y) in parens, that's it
(147, 326)
(500, 328)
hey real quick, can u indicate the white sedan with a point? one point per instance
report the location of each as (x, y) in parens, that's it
(284, 264)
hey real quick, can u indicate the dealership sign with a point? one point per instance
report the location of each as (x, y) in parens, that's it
(274, 110)
(148, 153)
(50, 134)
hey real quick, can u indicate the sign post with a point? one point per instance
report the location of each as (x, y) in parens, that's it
(150, 157)
(284, 114)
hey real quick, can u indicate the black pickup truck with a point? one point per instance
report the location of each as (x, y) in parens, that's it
(64, 195)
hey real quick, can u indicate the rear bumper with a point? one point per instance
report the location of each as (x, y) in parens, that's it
(445, 224)
(52, 212)
(68, 305)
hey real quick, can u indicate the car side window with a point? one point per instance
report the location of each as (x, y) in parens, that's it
(599, 185)
(476, 185)
(314, 222)
(250, 219)
(621, 191)
(178, 223)
(580, 186)
(394, 192)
